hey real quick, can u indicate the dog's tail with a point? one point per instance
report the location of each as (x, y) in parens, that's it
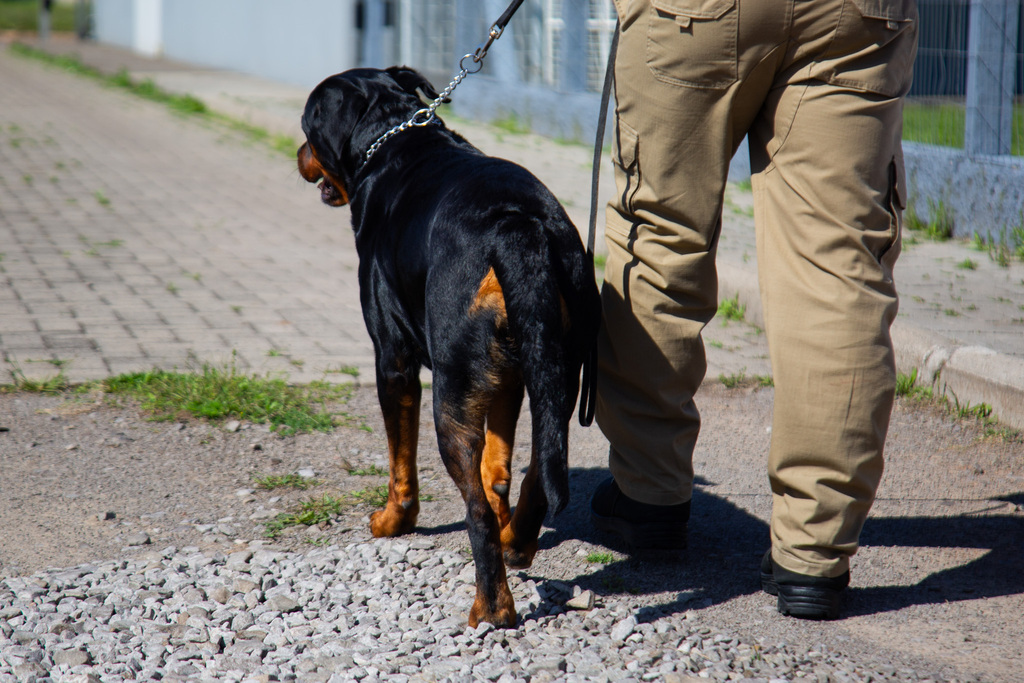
(553, 312)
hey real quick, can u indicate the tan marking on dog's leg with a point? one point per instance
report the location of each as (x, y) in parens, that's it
(519, 538)
(497, 456)
(402, 424)
(490, 297)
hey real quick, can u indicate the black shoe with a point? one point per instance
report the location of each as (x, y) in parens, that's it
(641, 525)
(801, 596)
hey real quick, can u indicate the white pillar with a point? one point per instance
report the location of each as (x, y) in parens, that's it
(148, 30)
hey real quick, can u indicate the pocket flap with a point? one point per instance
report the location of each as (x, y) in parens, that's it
(890, 10)
(694, 9)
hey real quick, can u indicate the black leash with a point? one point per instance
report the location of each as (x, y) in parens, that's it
(588, 387)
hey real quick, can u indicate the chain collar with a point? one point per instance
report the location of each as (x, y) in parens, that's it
(428, 114)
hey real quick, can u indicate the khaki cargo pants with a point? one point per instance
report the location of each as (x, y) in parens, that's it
(818, 87)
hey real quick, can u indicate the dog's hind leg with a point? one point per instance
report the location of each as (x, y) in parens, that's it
(495, 469)
(399, 394)
(459, 418)
(519, 538)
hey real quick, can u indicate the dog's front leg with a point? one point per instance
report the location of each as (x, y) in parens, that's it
(399, 396)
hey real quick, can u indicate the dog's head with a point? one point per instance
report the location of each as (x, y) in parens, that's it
(346, 114)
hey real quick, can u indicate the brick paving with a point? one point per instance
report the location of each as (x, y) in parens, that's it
(134, 238)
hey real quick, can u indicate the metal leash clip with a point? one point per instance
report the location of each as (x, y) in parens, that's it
(426, 115)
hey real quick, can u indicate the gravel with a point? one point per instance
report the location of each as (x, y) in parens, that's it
(150, 528)
(380, 610)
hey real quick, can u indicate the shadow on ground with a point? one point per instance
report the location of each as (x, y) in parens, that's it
(726, 544)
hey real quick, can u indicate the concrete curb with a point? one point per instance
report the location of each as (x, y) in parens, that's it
(967, 374)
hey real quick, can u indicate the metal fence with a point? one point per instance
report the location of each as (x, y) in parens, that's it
(969, 76)
(563, 45)
(963, 123)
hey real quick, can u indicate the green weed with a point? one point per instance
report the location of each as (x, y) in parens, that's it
(215, 393)
(375, 496)
(371, 471)
(511, 123)
(732, 309)
(47, 385)
(600, 558)
(269, 482)
(734, 380)
(906, 385)
(350, 370)
(967, 264)
(313, 511)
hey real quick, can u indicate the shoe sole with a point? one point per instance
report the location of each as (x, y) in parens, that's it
(641, 537)
(802, 602)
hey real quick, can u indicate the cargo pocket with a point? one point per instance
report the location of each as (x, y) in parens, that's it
(625, 156)
(897, 200)
(693, 42)
(873, 47)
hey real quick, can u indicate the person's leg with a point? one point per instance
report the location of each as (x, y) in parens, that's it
(679, 78)
(828, 187)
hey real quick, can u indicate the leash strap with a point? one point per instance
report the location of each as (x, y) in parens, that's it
(595, 174)
(588, 388)
(507, 15)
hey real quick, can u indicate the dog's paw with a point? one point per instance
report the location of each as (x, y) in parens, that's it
(503, 615)
(393, 521)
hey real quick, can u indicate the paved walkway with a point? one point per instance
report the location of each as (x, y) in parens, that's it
(132, 238)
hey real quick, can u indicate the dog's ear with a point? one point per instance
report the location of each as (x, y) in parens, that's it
(412, 81)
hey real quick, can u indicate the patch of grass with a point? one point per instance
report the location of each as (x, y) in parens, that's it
(715, 344)
(269, 482)
(1005, 434)
(172, 288)
(511, 123)
(375, 496)
(981, 412)
(741, 379)
(938, 124)
(732, 309)
(313, 511)
(186, 105)
(734, 380)
(371, 471)
(215, 393)
(23, 15)
(350, 370)
(745, 185)
(101, 198)
(967, 264)
(940, 226)
(600, 260)
(906, 385)
(951, 312)
(600, 558)
(54, 384)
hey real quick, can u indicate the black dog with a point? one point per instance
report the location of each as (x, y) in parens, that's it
(469, 266)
